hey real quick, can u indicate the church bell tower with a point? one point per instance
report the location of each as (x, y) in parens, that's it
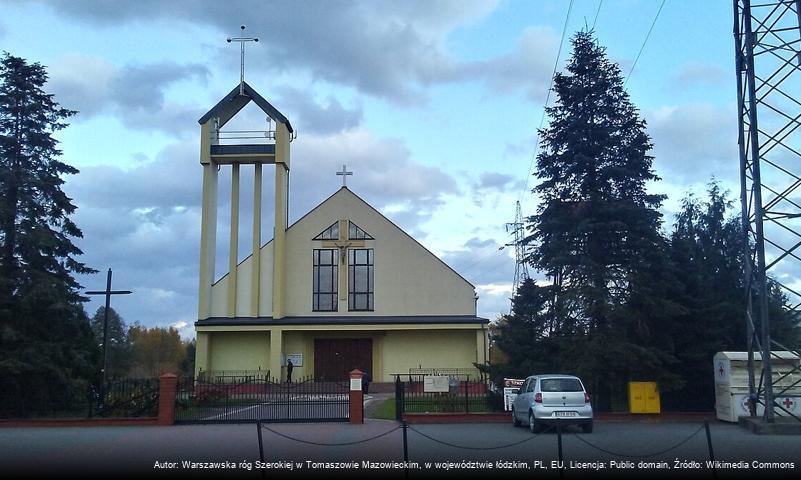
(221, 149)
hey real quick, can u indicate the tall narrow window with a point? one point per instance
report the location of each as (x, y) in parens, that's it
(326, 279)
(360, 279)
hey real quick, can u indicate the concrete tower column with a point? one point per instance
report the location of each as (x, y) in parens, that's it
(255, 279)
(279, 238)
(208, 225)
(233, 245)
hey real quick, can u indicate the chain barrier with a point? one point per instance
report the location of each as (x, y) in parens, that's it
(661, 452)
(464, 447)
(342, 444)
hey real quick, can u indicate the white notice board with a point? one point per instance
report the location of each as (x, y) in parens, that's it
(435, 383)
(297, 359)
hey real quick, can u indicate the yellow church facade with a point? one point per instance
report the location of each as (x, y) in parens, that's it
(342, 287)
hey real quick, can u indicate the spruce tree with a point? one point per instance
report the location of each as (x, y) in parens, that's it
(46, 345)
(527, 337)
(595, 223)
(706, 248)
(596, 229)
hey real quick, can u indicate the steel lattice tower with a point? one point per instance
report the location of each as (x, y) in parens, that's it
(517, 229)
(768, 66)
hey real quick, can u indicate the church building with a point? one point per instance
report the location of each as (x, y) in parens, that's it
(342, 287)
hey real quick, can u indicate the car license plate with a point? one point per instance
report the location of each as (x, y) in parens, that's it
(566, 414)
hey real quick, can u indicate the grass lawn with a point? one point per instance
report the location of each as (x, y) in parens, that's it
(385, 411)
(444, 403)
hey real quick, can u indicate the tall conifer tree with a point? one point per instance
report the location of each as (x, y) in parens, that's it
(595, 224)
(45, 341)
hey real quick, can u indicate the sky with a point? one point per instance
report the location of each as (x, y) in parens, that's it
(433, 105)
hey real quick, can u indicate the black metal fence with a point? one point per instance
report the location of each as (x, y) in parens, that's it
(252, 396)
(420, 393)
(126, 398)
(123, 398)
(472, 373)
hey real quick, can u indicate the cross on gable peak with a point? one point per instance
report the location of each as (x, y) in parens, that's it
(344, 173)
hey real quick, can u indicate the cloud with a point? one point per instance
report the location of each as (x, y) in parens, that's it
(694, 141)
(171, 180)
(142, 87)
(525, 70)
(389, 50)
(476, 242)
(498, 181)
(481, 261)
(81, 82)
(383, 48)
(493, 299)
(384, 175)
(313, 117)
(521, 148)
(697, 74)
(133, 93)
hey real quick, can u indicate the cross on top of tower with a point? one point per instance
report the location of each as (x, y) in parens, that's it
(344, 174)
(242, 41)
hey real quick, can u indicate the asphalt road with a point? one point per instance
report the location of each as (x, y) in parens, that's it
(115, 452)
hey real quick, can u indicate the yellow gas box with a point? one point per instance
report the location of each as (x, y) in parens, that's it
(644, 397)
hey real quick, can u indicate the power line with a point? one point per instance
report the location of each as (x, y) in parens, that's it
(600, 3)
(547, 97)
(647, 36)
(481, 259)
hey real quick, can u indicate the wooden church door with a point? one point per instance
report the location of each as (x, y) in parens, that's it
(334, 358)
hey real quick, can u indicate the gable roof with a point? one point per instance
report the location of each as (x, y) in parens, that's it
(232, 103)
(388, 220)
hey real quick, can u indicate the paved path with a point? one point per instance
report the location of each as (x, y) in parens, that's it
(117, 452)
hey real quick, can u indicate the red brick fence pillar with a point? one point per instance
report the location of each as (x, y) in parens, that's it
(168, 389)
(356, 397)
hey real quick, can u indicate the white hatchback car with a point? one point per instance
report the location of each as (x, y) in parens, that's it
(552, 399)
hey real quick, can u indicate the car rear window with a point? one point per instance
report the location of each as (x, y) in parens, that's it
(561, 385)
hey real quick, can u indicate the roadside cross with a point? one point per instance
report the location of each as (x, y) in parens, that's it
(108, 292)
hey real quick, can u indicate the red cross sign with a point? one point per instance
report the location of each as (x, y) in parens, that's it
(788, 403)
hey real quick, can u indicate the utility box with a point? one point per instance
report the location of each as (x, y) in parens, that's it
(731, 384)
(644, 398)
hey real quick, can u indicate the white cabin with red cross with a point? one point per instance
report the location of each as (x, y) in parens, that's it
(731, 384)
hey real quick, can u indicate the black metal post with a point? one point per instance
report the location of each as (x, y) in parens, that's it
(261, 451)
(105, 338)
(711, 451)
(559, 445)
(398, 412)
(466, 399)
(405, 452)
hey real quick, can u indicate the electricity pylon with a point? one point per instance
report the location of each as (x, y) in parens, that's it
(768, 66)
